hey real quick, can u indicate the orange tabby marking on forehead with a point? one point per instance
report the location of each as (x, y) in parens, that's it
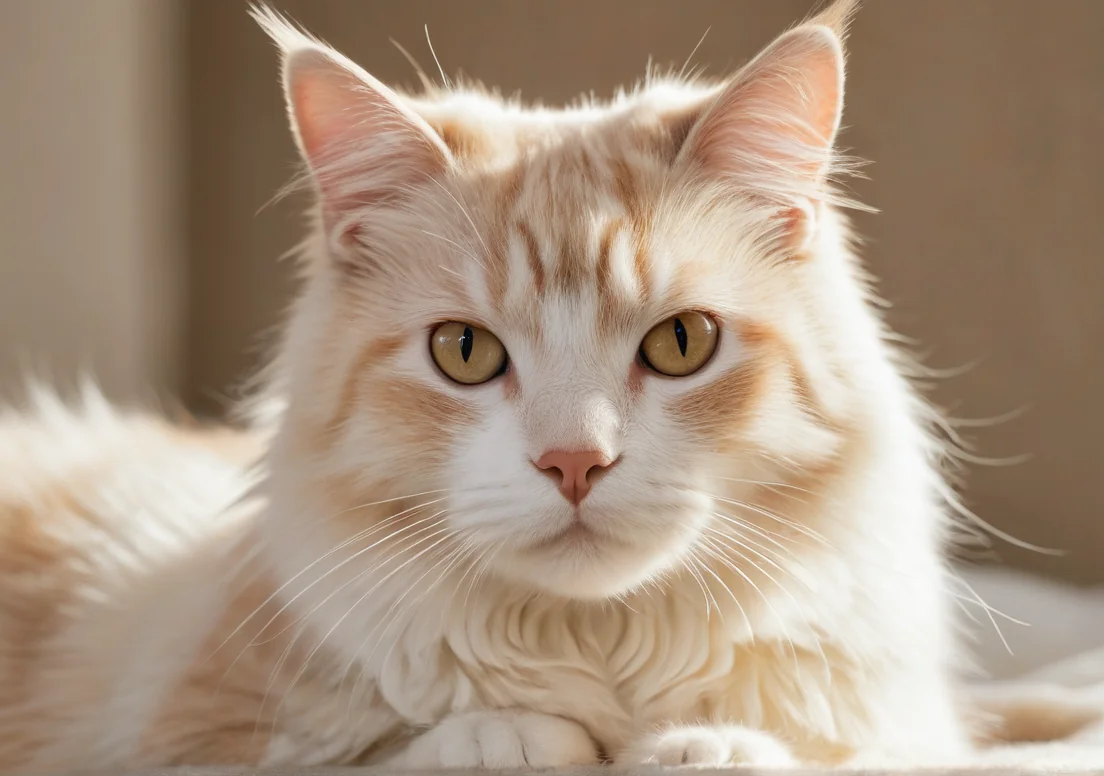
(532, 255)
(636, 189)
(615, 304)
(496, 265)
(627, 191)
(573, 269)
(640, 266)
(604, 271)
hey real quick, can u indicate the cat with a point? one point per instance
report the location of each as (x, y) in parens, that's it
(585, 443)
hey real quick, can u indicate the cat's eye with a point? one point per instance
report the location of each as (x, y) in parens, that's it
(467, 354)
(681, 345)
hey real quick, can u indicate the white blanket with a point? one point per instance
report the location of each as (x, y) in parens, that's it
(1046, 673)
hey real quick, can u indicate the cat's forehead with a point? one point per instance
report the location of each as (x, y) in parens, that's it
(570, 230)
(570, 216)
(483, 129)
(557, 220)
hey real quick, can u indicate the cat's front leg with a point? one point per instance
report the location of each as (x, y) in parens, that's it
(509, 738)
(708, 746)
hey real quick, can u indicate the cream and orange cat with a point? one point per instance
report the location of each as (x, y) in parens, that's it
(584, 443)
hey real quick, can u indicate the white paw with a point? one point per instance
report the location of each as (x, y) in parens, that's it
(709, 747)
(500, 739)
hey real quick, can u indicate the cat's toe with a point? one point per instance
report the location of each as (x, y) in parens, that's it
(502, 739)
(704, 747)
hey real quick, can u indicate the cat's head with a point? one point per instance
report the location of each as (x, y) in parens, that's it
(569, 343)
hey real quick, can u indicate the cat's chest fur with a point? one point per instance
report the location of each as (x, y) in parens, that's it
(622, 668)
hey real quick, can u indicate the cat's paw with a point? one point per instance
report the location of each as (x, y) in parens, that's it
(705, 747)
(500, 739)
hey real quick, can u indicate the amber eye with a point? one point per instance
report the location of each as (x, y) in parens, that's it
(466, 353)
(681, 344)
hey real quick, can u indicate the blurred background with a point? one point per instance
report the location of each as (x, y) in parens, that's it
(142, 139)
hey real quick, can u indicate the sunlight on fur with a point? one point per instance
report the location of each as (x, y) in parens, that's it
(584, 442)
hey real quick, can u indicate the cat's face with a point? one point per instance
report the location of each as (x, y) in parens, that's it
(561, 341)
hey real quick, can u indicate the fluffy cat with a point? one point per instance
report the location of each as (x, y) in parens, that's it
(585, 442)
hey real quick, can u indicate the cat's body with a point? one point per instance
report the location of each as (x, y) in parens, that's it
(748, 567)
(136, 659)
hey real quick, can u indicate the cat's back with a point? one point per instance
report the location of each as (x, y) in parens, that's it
(111, 564)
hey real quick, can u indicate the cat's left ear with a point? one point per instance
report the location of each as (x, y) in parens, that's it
(770, 132)
(364, 146)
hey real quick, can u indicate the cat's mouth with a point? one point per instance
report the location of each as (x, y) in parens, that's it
(578, 534)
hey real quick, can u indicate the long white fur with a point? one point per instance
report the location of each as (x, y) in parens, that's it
(460, 648)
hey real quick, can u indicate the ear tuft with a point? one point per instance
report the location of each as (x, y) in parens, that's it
(771, 130)
(836, 16)
(363, 144)
(283, 33)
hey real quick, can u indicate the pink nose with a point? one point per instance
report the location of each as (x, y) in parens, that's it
(576, 470)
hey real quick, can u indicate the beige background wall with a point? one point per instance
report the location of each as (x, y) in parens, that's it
(92, 240)
(983, 118)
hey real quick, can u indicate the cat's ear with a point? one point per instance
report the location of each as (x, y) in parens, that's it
(771, 130)
(363, 145)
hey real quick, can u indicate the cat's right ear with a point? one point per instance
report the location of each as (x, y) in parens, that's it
(363, 145)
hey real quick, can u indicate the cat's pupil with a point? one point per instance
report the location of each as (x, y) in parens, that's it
(467, 339)
(680, 336)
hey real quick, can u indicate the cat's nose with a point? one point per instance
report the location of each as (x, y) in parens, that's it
(577, 471)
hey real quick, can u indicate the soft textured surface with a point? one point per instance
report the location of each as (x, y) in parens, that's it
(600, 771)
(1045, 653)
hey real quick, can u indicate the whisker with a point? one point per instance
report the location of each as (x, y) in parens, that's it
(778, 617)
(354, 606)
(360, 536)
(766, 535)
(740, 541)
(486, 559)
(471, 567)
(743, 613)
(771, 485)
(989, 613)
(355, 538)
(782, 588)
(706, 592)
(467, 215)
(766, 513)
(456, 554)
(456, 245)
(304, 620)
(390, 501)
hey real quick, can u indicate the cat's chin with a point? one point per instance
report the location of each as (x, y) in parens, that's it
(583, 565)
